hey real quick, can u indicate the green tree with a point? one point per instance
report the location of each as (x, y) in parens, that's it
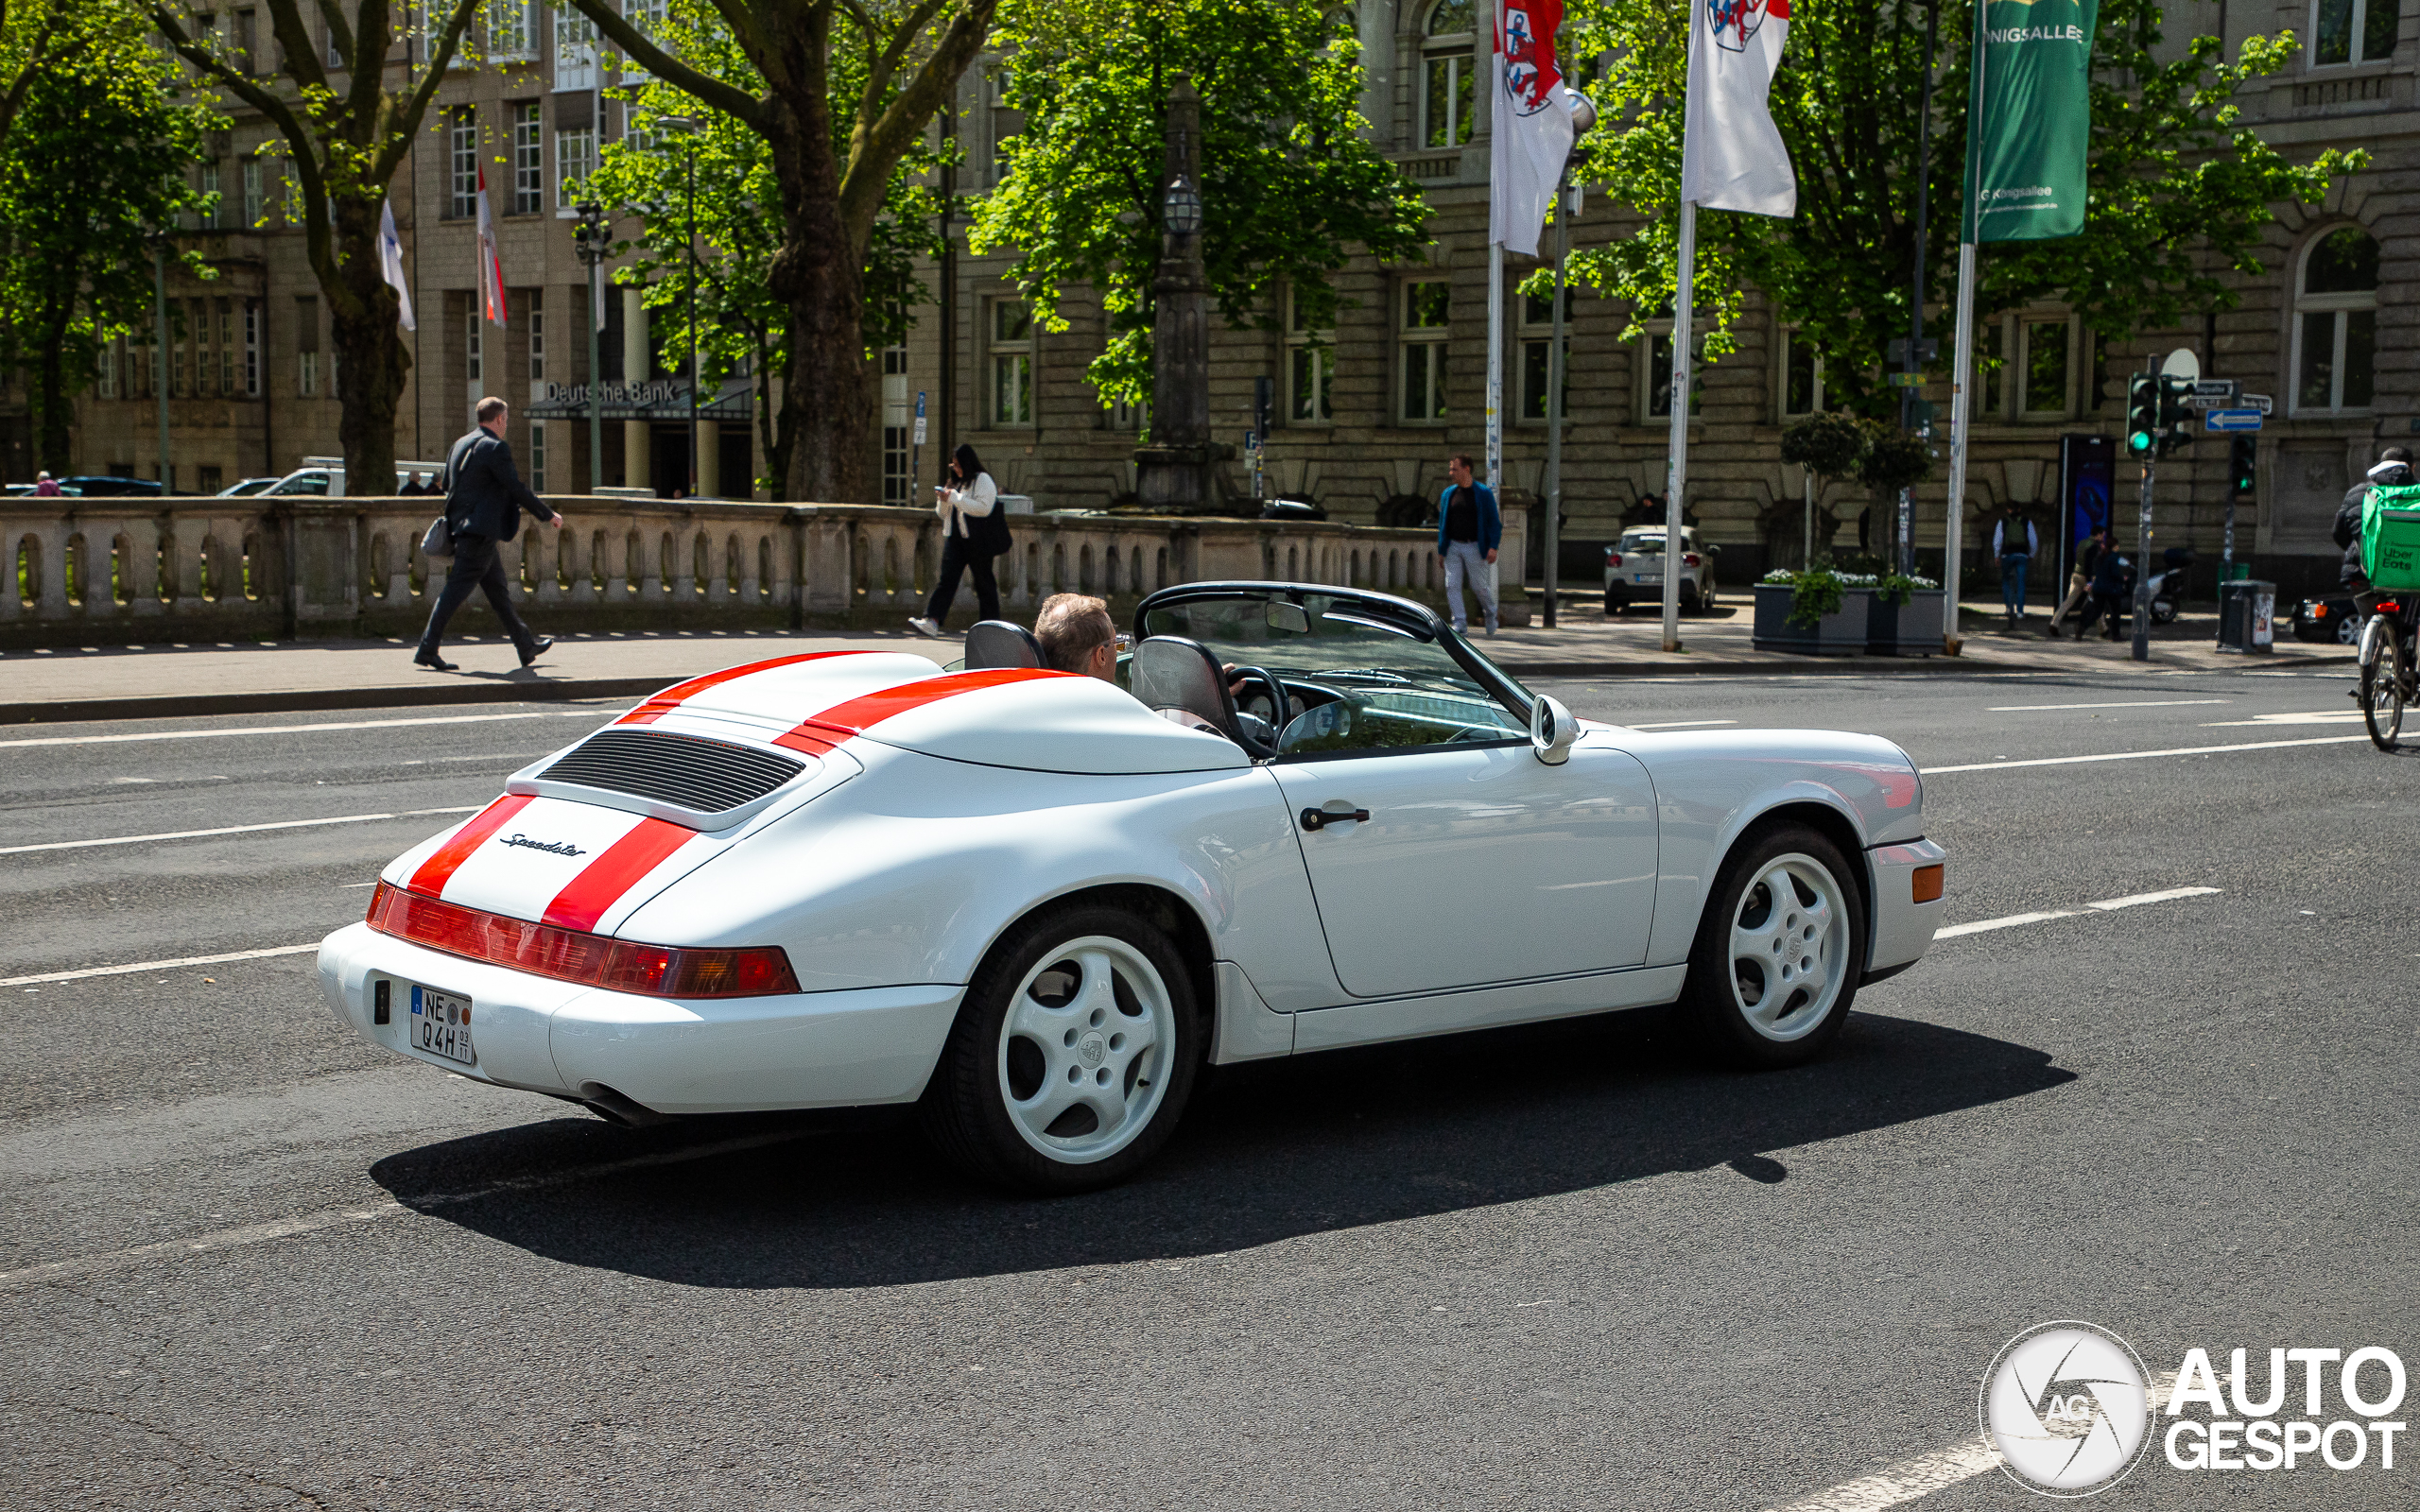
(95, 160)
(346, 133)
(741, 323)
(2179, 189)
(1290, 182)
(840, 92)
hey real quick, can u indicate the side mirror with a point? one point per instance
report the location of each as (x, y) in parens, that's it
(1551, 730)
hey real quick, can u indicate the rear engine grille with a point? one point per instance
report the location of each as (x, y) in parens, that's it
(707, 776)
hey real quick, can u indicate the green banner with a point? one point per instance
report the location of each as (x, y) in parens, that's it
(2030, 121)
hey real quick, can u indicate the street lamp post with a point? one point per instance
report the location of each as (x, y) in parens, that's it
(591, 237)
(1173, 473)
(687, 127)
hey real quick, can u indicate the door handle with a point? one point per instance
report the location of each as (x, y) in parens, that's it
(1317, 819)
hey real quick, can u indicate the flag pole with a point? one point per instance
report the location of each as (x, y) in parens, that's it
(1677, 463)
(1495, 388)
(1961, 374)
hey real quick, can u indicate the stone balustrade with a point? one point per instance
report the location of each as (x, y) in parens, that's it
(129, 571)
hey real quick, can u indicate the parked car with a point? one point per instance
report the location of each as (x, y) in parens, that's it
(20, 491)
(323, 476)
(1035, 905)
(248, 487)
(1635, 570)
(2329, 618)
(107, 487)
(1292, 509)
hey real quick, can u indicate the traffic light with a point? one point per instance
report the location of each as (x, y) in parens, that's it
(2142, 416)
(2243, 454)
(2176, 415)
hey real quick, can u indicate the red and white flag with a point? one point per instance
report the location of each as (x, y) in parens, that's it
(1533, 130)
(491, 267)
(1732, 155)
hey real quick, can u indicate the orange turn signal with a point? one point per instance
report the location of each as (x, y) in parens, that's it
(1926, 881)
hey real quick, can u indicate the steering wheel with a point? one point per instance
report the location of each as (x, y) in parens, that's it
(1277, 691)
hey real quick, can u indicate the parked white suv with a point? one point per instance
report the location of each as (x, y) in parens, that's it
(1635, 570)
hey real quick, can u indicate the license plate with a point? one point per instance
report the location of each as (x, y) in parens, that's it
(1650, 577)
(442, 1024)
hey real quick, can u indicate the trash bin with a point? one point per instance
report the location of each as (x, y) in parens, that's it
(2247, 616)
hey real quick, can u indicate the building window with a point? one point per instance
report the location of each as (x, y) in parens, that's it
(574, 159)
(209, 479)
(105, 378)
(255, 205)
(1447, 74)
(462, 159)
(1011, 336)
(897, 486)
(529, 159)
(247, 32)
(575, 51)
(1537, 343)
(209, 213)
(1310, 366)
(474, 318)
(2353, 31)
(306, 346)
(538, 341)
(1000, 125)
(1801, 377)
(1991, 342)
(508, 30)
(537, 457)
(2049, 369)
(251, 349)
(226, 346)
(1659, 371)
(1421, 339)
(646, 18)
(2336, 322)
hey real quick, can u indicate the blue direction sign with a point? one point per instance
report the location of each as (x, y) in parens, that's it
(2230, 420)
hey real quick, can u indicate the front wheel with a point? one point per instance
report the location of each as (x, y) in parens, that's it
(1073, 1055)
(2385, 683)
(2163, 612)
(1779, 949)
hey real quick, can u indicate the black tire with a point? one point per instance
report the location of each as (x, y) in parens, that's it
(2384, 682)
(967, 1109)
(1615, 605)
(1713, 1000)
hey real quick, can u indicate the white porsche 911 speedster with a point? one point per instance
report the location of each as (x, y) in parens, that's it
(1037, 904)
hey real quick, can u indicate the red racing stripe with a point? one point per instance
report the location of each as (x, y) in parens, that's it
(658, 705)
(439, 869)
(860, 715)
(602, 881)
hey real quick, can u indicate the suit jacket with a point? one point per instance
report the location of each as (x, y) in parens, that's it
(484, 495)
(1491, 521)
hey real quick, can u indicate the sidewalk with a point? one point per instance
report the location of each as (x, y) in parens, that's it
(272, 677)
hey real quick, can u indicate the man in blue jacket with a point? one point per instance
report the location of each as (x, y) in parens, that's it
(1469, 529)
(484, 497)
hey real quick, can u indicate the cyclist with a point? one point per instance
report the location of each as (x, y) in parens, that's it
(2393, 470)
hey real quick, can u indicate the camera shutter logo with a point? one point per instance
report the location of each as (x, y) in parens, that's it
(2068, 1405)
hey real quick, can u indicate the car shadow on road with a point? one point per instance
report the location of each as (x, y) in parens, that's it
(1267, 1152)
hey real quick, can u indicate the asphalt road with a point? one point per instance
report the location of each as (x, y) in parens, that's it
(246, 1262)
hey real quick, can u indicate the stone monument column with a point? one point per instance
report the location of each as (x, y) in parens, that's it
(1173, 473)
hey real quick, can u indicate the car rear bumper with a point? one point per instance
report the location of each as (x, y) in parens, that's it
(673, 1056)
(1903, 928)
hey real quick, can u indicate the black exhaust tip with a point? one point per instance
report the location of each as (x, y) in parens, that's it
(614, 1107)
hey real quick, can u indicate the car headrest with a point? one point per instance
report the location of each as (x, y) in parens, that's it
(1170, 672)
(1000, 644)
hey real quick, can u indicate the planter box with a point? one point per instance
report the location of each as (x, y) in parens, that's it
(1912, 630)
(1842, 632)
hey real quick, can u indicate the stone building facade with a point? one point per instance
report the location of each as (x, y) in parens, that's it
(1367, 413)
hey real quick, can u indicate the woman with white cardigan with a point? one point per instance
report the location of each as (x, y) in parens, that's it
(974, 530)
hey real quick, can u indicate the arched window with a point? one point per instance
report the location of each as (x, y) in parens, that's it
(2335, 321)
(1446, 44)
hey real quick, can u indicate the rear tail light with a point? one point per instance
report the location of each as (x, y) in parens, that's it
(1689, 558)
(1926, 881)
(1613, 558)
(573, 955)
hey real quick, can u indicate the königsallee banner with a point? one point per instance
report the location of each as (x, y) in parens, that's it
(2030, 120)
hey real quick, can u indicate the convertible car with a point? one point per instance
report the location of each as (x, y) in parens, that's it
(1036, 905)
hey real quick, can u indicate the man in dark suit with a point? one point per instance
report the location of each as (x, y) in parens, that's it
(484, 497)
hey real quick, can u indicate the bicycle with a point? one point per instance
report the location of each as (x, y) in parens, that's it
(2387, 674)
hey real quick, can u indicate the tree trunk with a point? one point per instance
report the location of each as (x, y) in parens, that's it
(49, 397)
(373, 366)
(828, 397)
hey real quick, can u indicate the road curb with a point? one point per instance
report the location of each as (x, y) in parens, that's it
(202, 705)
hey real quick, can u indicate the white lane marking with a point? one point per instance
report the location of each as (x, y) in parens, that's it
(2314, 716)
(1684, 724)
(295, 730)
(2104, 906)
(1925, 1474)
(2133, 703)
(371, 1211)
(157, 966)
(232, 828)
(2142, 755)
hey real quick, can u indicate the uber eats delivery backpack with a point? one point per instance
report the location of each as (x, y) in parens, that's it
(2391, 538)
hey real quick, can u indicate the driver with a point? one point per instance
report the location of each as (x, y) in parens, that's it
(1077, 635)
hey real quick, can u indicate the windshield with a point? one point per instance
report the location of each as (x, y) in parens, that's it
(1644, 545)
(1410, 685)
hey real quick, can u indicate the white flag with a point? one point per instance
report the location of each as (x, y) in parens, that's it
(491, 267)
(1732, 155)
(1532, 127)
(391, 261)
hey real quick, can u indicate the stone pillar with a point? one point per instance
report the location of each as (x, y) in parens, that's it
(1173, 473)
(709, 458)
(1376, 21)
(638, 452)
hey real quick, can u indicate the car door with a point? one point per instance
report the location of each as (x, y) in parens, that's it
(1478, 862)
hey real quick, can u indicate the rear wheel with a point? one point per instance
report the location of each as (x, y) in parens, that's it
(1073, 1056)
(2384, 680)
(1779, 949)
